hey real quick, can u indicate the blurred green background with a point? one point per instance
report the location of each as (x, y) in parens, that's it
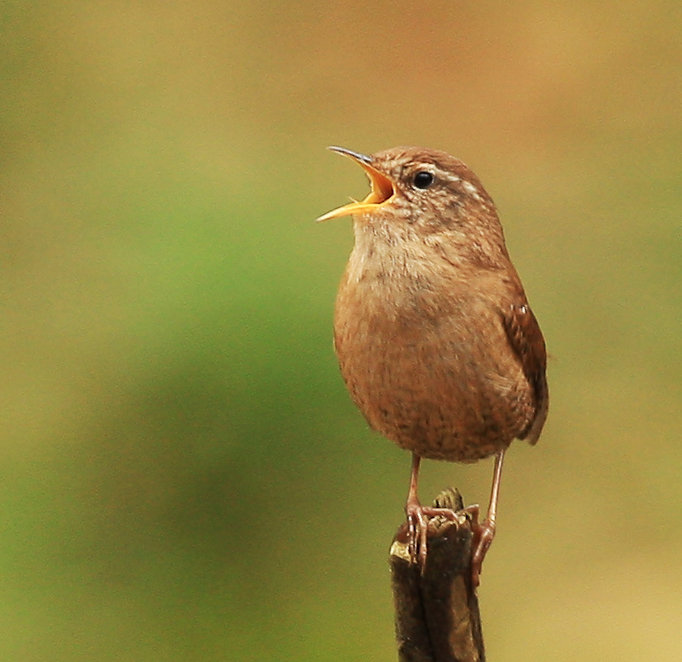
(183, 476)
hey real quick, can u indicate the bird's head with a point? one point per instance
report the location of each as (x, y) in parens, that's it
(418, 186)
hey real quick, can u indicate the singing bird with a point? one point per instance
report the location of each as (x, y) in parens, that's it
(434, 336)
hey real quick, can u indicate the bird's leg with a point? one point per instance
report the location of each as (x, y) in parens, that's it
(418, 524)
(416, 521)
(484, 531)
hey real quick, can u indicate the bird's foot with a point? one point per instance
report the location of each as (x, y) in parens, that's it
(418, 526)
(484, 532)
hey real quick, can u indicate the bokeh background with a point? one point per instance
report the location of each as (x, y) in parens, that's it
(183, 476)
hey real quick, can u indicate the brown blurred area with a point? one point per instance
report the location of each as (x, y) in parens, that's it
(183, 476)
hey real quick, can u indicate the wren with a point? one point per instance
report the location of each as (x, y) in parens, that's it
(435, 339)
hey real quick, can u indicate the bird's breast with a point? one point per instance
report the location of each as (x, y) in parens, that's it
(414, 348)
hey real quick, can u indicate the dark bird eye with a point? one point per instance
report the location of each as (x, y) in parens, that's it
(423, 179)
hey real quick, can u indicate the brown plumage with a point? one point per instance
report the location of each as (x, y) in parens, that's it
(435, 338)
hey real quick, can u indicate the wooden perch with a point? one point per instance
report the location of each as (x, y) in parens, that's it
(437, 617)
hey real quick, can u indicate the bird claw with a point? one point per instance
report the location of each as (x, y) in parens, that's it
(418, 527)
(484, 533)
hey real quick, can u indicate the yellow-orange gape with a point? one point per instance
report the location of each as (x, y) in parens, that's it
(435, 338)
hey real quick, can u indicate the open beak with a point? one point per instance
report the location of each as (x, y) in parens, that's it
(382, 188)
